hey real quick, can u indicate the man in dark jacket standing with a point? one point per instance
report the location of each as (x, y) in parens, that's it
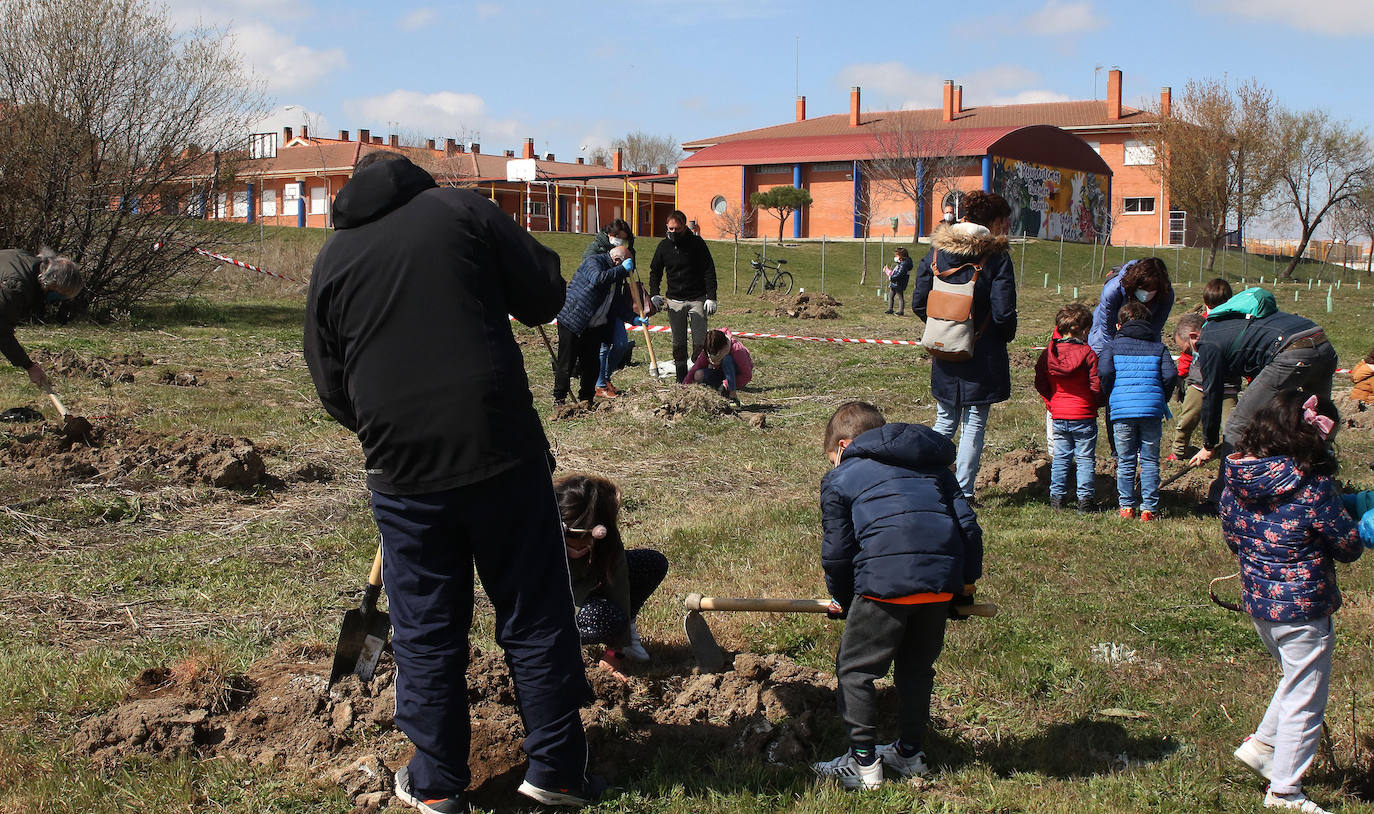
(409, 345)
(965, 391)
(691, 270)
(27, 283)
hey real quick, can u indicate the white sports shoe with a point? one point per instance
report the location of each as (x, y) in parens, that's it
(1257, 755)
(1296, 802)
(851, 774)
(635, 651)
(914, 766)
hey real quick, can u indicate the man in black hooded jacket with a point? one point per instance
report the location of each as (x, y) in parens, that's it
(408, 342)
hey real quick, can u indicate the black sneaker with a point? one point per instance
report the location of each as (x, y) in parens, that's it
(572, 798)
(1057, 504)
(405, 792)
(1088, 506)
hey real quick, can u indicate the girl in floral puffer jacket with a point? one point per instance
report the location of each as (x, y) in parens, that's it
(1282, 515)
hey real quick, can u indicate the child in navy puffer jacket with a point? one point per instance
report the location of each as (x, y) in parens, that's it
(1137, 375)
(901, 548)
(1282, 515)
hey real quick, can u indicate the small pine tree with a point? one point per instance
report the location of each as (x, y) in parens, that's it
(781, 202)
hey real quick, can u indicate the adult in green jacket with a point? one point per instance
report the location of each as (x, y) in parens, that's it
(28, 283)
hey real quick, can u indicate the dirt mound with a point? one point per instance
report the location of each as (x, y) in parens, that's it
(806, 305)
(118, 368)
(691, 399)
(281, 712)
(182, 378)
(113, 452)
(1016, 471)
(572, 410)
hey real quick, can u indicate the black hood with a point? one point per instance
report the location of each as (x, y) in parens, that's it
(1139, 329)
(377, 190)
(914, 446)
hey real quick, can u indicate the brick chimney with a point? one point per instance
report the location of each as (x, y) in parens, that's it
(394, 140)
(949, 100)
(376, 139)
(1114, 93)
(475, 147)
(343, 135)
(429, 144)
(450, 147)
(958, 99)
(549, 157)
(528, 152)
(854, 106)
(801, 108)
(581, 160)
(1166, 101)
(365, 136)
(618, 159)
(285, 135)
(305, 132)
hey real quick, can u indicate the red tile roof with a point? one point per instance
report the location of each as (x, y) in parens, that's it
(1067, 115)
(861, 145)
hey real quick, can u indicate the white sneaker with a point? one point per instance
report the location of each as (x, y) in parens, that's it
(851, 774)
(914, 766)
(1257, 755)
(635, 651)
(1296, 802)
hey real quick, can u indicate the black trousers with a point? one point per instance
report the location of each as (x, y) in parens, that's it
(602, 620)
(509, 527)
(584, 351)
(877, 635)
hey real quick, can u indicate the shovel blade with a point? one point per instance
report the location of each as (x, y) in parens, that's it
(361, 640)
(708, 655)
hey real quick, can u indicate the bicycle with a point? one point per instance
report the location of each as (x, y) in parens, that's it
(781, 281)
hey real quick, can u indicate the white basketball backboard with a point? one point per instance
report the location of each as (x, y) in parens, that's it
(520, 169)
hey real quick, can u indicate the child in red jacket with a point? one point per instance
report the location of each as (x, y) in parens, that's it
(1066, 377)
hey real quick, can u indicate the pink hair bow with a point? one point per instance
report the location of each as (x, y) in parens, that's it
(1310, 415)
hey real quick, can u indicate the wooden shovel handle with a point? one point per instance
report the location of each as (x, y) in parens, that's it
(374, 577)
(57, 403)
(698, 602)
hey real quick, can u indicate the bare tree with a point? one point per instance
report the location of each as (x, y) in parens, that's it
(735, 223)
(1217, 153)
(108, 111)
(646, 152)
(1323, 163)
(914, 162)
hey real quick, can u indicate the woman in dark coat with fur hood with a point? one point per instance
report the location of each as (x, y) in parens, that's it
(965, 391)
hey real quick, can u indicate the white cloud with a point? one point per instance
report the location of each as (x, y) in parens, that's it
(445, 114)
(887, 85)
(417, 19)
(1334, 17)
(1060, 18)
(280, 61)
(293, 116)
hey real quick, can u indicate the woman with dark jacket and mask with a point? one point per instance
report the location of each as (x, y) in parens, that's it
(1146, 280)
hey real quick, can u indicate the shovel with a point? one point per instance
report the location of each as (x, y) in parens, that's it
(711, 659)
(364, 631)
(74, 427)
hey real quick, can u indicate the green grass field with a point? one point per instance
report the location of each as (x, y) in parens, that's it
(1019, 715)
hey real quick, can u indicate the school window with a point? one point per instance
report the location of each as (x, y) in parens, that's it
(832, 166)
(1140, 206)
(539, 209)
(241, 204)
(1097, 146)
(719, 205)
(221, 204)
(318, 201)
(1139, 153)
(1178, 227)
(269, 203)
(773, 169)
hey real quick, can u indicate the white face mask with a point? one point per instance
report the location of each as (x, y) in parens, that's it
(1143, 295)
(615, 241)
(949, 217)
(896, 259)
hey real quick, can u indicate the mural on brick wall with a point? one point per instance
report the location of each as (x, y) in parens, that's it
(1052, 202)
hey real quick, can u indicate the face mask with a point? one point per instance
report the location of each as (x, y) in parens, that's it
(1143, 295)
(673, 236)
(615, 241)
(949, 217)
(896, 260)
(55, 297)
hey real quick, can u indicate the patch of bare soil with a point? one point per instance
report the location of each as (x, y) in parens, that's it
(574, 409)
(1016, 471)
(281, 712)
(119, 368)
(183, 378)
(113, 452)
(806, 305)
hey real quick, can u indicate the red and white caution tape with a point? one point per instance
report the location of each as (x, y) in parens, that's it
(231, 261)
(658, 329)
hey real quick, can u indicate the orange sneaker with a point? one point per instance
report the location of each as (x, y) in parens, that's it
(1125, 514)
(607, 392)
(1147, 516)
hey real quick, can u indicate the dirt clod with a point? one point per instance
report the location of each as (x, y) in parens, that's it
(1016, 471)
(806, 305)
(684, 400)
(286, 715)
(181, 378)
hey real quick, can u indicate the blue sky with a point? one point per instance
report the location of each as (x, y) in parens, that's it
(572, 74)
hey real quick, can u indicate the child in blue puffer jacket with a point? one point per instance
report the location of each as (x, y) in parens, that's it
(1138, 375)
(1282, 516)
(901, 549)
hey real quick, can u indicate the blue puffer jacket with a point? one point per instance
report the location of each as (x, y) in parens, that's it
(1113, 296)
(588, 289)
(1288, 529)
(1137, 372)
(895, 520)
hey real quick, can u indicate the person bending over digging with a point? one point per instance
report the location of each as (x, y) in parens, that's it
(724, 363)
(27, 284)
(902, 547)
(610, 584)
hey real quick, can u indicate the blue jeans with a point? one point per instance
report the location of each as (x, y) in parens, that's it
(1074, 441)
(1138, 437)
(612, 351)
(974, 421)
(723, 375)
